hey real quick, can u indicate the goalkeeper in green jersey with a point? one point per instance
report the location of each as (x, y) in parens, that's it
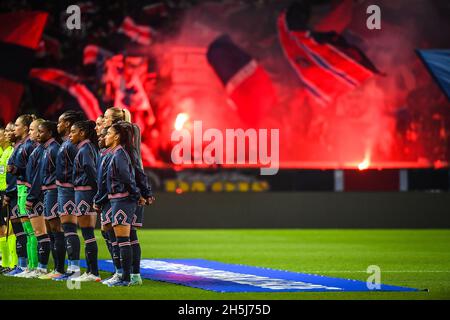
(7, 237)
(25, 237)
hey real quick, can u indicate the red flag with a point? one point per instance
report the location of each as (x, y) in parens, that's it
(22, 28)
(95, 54)
(125, 75)
(338, 19)
(158, 8)
(20, 33)
(244, 79)
(138, 33)
(70, 83)
(326, 71)
(49, 46)
(123, 79)
(87, 7)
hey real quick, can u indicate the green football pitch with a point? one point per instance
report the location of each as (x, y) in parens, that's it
(412, 258)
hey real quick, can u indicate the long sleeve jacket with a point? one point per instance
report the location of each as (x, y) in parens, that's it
(120, 181)
(33, 175)
(102, 169)
(85, 167)
(64, 163)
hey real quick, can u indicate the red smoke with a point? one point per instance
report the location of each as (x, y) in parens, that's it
(387, 122)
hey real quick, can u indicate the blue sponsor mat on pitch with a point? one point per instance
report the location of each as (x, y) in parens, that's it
(224, 277)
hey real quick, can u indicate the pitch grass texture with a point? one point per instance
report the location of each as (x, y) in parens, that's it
(412, 258)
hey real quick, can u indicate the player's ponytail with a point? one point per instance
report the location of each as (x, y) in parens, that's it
(126, 115)
(119, 114)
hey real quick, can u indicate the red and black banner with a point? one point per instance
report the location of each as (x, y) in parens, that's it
(70, 83)
(325, 62)
(93, 54)
(20, 34)
(141, 34)
(243, 77)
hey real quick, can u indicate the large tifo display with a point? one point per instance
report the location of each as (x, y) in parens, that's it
(223, 277)
(342, 95)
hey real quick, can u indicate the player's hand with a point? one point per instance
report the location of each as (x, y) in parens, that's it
(5, 202)
(150, 200)
(28, 207)
(141, 201)
(9, 168)
(97, 208)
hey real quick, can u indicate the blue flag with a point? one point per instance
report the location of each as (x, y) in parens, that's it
(438, 64)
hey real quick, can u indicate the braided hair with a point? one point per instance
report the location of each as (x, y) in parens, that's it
(51, 127)
(88, 127)
(73, 116)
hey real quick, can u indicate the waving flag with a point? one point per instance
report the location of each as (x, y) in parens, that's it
(71, 84)
(123, 81)
(338, 19)
(137, 33)
(246, 82)
(93, 54)
(326, 64)
(87, 7)
(156, 9)
(20, 34)
(49, 46)
(438, 64)
(130, 92)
